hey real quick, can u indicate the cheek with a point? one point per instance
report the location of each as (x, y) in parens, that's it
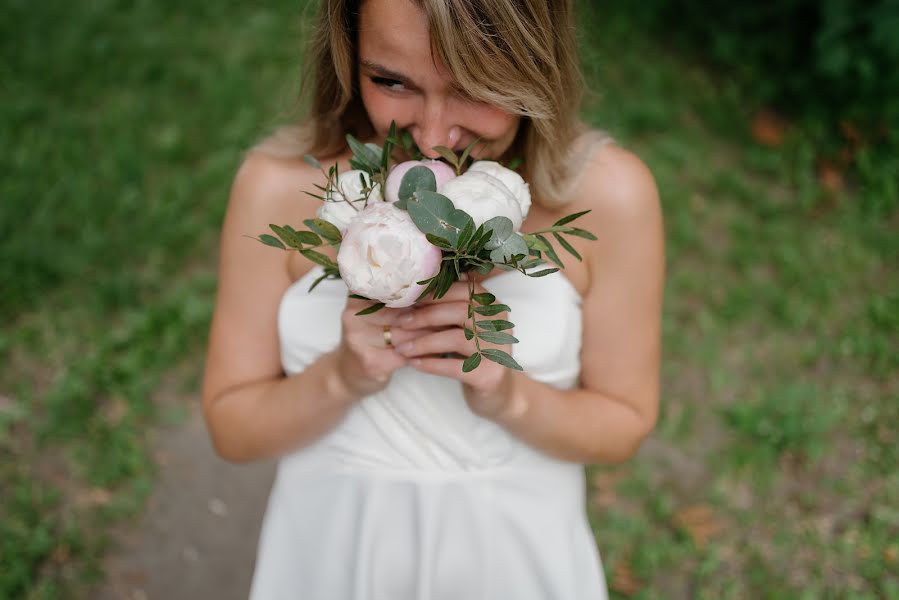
(381, 108)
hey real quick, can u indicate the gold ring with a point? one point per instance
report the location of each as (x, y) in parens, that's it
(388, 337)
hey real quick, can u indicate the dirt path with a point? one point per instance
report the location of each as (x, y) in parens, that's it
(197, 537)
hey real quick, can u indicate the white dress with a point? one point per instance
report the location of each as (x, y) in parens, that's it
(411, 495)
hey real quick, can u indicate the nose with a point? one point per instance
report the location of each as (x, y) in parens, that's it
(434, 127)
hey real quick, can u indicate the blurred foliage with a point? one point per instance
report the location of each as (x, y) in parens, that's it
(830, 66)
(772, 471)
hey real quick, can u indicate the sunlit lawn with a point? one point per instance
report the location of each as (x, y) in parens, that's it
(773, 470)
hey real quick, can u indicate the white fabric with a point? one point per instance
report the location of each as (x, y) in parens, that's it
(412, 496)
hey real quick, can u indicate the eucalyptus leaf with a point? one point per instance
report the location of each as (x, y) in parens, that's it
(416, 179)
(270, 240)
(496, 337)
(500, 230)
(511, 246)
(471, 363)
(430, 212)
(503, 358)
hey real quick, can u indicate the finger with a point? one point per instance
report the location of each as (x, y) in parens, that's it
(447, 367)
(378, 338)
(438, 342)
(436, 315)
(457, 291)
(383, 316)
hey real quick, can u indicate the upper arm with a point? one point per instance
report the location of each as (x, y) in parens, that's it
(622, 309)
(252, 277)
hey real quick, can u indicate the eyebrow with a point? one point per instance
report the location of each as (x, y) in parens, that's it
(385, 72)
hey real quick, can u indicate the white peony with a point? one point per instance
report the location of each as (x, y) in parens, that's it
(383, 254)
(483, 197)
(512, 180)
(442, 173)
(337, 209)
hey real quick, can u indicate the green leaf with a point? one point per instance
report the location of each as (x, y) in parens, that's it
(416, 179)
(326, 229)
(564, 243)
(484, 298)
(270, 240)
(513, 247)
(570, 218)
(466, 235)
(312, 161)
(492, 309)
(371, 309)
(485, 269)
(468, 333)
(448, 155)
(471, 363)
(531, 262)
(500, 230)
(551, 253)
(496, 337)
(287, 235)
(503, 358)
(388, 146)
(583, 233)
(408, 144)
(467, 151)
(514, 163)
(318, 258)
(445, 279)
(434, 213)
(439, 241)
(432, 284)
(496, 325)
(534, 242)
(318, 281)
(367, 158)
(542, 273)
(307, 237)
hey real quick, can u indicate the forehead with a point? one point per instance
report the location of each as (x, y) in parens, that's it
(395, 34)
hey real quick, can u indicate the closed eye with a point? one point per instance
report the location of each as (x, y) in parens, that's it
(393, 85)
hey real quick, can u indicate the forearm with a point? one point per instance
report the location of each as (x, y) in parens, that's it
(574, 425)
(268, 418)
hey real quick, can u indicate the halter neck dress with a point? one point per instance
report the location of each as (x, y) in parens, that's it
(413, 496)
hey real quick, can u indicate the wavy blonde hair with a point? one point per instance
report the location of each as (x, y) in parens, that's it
(518, 55)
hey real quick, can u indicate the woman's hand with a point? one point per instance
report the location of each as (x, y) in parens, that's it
(365, 362)
(438, 324)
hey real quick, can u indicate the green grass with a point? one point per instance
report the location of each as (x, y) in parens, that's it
(772, 472)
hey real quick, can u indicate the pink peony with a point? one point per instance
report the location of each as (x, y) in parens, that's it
(442, 173)
(383, 254)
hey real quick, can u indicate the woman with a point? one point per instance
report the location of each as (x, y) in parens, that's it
(400, 476)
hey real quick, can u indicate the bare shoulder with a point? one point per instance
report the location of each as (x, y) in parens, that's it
(618, 187)
(267, 186)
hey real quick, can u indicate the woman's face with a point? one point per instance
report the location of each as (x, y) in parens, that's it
(401, 80)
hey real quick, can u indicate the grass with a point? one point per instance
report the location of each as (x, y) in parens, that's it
(772, 471)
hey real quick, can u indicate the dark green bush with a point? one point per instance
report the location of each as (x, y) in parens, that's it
(831, 66)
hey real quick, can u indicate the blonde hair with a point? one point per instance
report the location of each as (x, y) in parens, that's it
(518, 55)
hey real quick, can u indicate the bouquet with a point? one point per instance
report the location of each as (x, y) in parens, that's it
(411, 229)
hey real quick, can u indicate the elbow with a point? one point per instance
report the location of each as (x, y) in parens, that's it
(226, 446)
